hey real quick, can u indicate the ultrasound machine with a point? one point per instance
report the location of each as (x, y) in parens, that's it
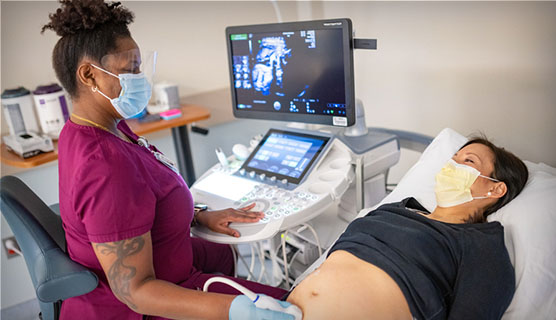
(298, 72)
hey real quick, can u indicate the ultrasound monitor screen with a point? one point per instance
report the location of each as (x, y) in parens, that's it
(296, 71)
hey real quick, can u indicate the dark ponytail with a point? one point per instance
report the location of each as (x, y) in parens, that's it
(88, 28)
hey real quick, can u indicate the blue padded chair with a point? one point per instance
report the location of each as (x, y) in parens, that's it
(40, 235)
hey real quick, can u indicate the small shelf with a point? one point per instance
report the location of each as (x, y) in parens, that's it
(190, 113)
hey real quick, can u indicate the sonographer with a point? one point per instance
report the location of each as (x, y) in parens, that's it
(126, 211)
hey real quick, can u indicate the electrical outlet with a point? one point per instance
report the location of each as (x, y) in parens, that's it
(10, 253)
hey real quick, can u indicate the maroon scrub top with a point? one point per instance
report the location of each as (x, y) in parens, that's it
(111, 190)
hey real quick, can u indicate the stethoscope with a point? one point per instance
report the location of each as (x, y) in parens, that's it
(142, 141)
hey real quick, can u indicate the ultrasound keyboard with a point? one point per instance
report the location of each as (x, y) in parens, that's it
(284, 206)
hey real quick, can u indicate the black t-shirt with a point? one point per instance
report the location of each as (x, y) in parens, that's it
(445, 270)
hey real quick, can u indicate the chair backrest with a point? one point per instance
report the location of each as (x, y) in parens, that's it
(40, 235)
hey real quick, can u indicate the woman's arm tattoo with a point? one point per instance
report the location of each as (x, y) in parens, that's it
(120, 275)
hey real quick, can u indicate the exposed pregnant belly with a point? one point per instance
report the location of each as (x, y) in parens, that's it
(346, 287)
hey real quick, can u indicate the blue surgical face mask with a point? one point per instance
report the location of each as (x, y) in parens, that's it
(135, 95)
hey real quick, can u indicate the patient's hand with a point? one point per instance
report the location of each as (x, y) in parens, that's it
(219, 221)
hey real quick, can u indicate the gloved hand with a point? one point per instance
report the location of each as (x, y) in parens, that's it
(243, 308)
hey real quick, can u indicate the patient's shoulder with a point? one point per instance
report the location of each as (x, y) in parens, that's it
(406, 204)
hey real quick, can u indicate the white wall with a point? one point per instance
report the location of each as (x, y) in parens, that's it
(471, 66)
(474, 66)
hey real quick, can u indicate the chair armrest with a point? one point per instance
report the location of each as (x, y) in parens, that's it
(59, 278)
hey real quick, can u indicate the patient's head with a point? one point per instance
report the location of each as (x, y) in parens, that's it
(509, 172)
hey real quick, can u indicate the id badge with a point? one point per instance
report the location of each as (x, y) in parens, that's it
(166, 161)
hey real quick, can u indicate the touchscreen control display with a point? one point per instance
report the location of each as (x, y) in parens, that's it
(286, 155)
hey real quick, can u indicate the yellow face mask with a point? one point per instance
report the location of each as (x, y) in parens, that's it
(453, 184)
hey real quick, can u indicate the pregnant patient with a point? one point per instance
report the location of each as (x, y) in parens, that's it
(402, 262)
(346, 287)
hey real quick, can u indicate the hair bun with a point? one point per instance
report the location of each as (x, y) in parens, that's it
(81, 15)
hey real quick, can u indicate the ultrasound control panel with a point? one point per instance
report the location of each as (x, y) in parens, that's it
(275, 202)
(324, 172)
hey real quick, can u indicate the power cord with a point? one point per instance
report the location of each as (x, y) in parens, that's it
(250, 276)
(286, 268)
(234, 254)
(314, 232)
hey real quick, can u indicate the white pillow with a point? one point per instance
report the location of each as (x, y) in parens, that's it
(418, 182)
(530, 235)
(529, 223)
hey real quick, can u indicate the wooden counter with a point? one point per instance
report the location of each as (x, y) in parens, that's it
(190, 113)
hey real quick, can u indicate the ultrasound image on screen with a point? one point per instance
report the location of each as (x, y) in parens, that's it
(290, 72)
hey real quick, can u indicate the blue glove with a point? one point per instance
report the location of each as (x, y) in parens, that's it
(243, 308)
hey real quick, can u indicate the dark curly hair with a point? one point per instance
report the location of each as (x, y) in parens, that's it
(508, 168)
(88, 28)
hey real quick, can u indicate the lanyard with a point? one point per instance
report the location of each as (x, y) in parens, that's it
(142, 141)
